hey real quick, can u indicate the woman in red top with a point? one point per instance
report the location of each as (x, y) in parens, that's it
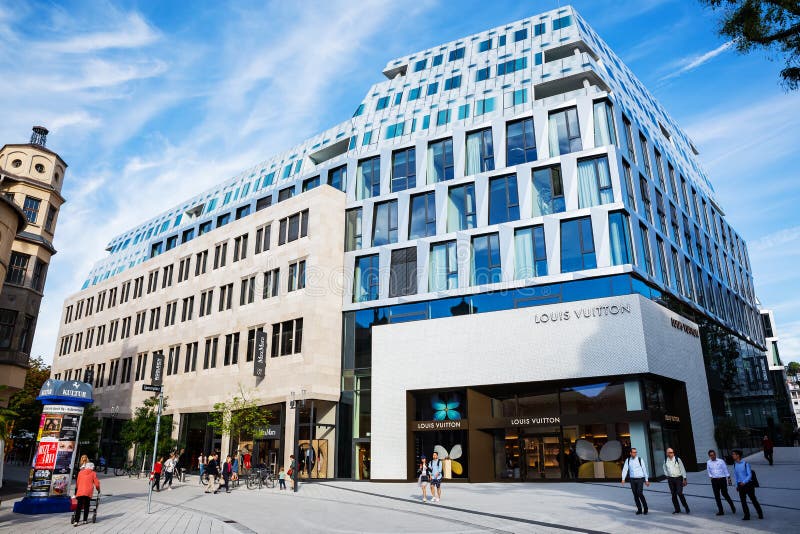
(84, 487)
(157, 473)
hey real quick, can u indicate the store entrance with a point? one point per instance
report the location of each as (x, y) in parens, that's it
(362, 459)
(540, 456)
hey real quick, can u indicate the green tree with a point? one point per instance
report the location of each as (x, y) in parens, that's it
(793, 368)
(24, 403)
(140, 431)
(771, 25)
(239, 417)
(91, 425)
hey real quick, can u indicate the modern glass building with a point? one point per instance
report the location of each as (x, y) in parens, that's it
(537, 274)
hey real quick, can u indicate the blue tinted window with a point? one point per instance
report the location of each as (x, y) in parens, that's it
(413, 94)
(443, 117)
(539, 29)
(548, 191)
(520, 142)
(366, 138)
(484, 106)
(452, 83)
(482, 74)
(309, 184)
(433, 88)
(287, 171)
(461, 209)
(562, 22)
(423, 215)
(512, 66)
(359, 110)
(520, 96)
(440, 160)
(620, 236)
(404, 169)
(383, 103)
(463, 111)
(395, 130)
(519, 35)
(398, 98)
(483, 46)
(437, 59)
(458, 53)
(338, 177)
(366, 279)
(426, 122)
(577, 245)
(486, 267)
(501, 41)
(537, 58)
(420, 65)
(368, 178)
(503, 199)
(384, 227)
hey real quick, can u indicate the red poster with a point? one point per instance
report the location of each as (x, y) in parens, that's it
(46, 455)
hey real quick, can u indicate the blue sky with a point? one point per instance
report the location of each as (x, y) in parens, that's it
(151, 102)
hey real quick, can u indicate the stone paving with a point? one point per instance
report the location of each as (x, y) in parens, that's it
(340, 506)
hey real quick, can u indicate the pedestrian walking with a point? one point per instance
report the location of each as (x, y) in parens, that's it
(156, 474)
(436, 478)
(720, 480)
(769, 447)
(676, 478)
(212, 468)
(227, 472)
(637, 469)
(169, 470)
(201, 465)
(282, 479)
(745, 484)
(84, 489)
(235, 467)
(182, 465)
(292, 470)
(424, 477)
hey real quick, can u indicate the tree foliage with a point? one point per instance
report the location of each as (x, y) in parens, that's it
(793, 368)
(140, 431)
(239, 417)
(24, 403)
(91, 425)
(771, 25)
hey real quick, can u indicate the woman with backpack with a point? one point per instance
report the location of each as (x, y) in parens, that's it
(424, 477)
(746, 483)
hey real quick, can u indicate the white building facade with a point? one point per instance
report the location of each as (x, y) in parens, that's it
(503, 194)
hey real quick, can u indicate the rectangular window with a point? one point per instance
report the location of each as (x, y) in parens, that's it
(548, 191)
(247, 291)
(486, 259)
(204, 228)
(18, 268)
(629, 138)
(222, 220)
(187, 309)
(404, 169)
(483, 74)
(660, 170)
(210, 355)
(310, 183)
(50, 219)
(443, 270)
(520, 142)
(366, 278)
(577, 245)
(403, 273)
(644, 244)
(645, 155)
(383, 103)
(352, 229)
(530, 253)
(480, 152)
(433, 88)
(662, 260)
(39, 276)
(368, 178)
(231, 356)
(225, 297)
(337, 177)
(660, 212)
(461, 208)
(503, 199)
(271, 283)
(452, 83)
(8, 318)
(437, 60)
(420, 65)
(240, 247)
(384, 228)
(594, 182)
(251, 342)
(206, 297)
(539, 29)
(31, 209)
(512, 65)
(630, 188)
(442, 117)
(519, 35)
(413, 94)
(263, 237)
(456, 54)
(440, 160)
(562, 22)
(484, 106)
(565, 133)
(297, 275)
(220, 255)
(293, 227)
(200, 260)
(604, 133)
(620, 235)
(285, 194)
(644, 189)
(484, 46)
(463, 112)
(423, 215)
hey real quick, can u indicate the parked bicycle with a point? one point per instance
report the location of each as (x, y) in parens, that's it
(260, 477)
(128, 469)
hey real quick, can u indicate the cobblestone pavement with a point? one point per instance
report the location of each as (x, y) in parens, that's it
(343, 506)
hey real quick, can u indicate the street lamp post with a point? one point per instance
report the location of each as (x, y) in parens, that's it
(296, 447)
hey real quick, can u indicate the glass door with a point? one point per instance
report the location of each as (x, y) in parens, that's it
(540, 457)
(362, 459)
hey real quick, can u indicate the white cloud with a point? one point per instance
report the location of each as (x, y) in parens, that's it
(132, 31)
(692, 62)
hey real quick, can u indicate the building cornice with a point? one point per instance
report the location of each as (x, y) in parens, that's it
(36, 147)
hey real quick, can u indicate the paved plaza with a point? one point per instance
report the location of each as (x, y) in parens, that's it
(396, 507)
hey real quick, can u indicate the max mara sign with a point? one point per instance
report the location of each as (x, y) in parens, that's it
(578, 312)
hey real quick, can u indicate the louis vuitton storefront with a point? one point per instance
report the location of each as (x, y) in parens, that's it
(509, 396)
(577, 430)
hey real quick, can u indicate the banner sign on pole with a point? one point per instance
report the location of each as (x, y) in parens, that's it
(260, 360)
(157, 372)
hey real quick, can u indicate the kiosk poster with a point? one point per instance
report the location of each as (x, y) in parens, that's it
(55, 452)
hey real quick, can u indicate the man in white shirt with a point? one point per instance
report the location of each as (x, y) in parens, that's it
(638, 471)
(720, 480)
(676, 478)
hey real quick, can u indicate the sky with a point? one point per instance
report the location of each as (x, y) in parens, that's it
(152, 102)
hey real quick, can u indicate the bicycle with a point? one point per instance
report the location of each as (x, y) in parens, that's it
(260, 477)
(127, 469)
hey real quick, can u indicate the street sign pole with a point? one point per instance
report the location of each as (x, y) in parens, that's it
(155, 445)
